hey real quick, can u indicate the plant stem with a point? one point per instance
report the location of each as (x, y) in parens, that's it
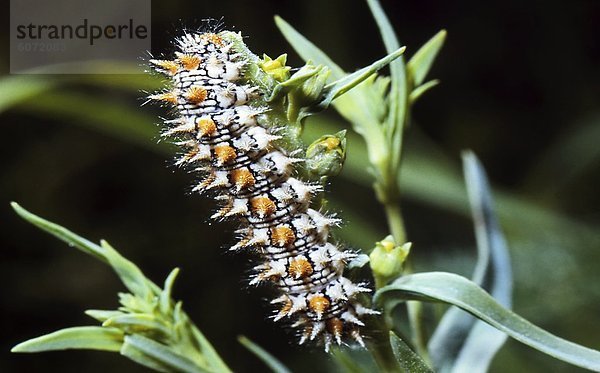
(395, 221)
(414, 309)
(380, 348)
(415, 318)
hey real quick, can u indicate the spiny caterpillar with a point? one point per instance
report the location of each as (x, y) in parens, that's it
(232, 137)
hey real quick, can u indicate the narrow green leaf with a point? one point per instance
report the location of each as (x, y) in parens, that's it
(421, 62)
(208, 352)
(390, 40)
(138, 323)
(343, 85)
(157, 356)
(409, 360)
(269, 360)
(483, 341)
(165, 295)
(81, 337)
(494, 267)
(133, 303)
(17, 88)
(103, 315)
(61, 233)
(131, 276)
(307, 50)
(456, 332)
(459, 291)
(397, 96)
(420, 90)
(457, 340)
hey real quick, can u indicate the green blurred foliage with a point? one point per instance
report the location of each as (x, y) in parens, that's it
(518, 86)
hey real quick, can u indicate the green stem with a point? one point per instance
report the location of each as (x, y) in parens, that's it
(415, 318)
(414, 309)
(380, 348)
(395, 221)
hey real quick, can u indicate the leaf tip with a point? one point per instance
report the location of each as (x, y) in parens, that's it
(108, 323)
(106, 246)
(469, 158)
(279, 21)
(19, 348)
(466, 154)
(18, 209)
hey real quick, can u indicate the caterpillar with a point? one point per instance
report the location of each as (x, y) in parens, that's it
(224, 124)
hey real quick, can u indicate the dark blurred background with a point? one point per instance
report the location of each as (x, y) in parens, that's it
(519, 86)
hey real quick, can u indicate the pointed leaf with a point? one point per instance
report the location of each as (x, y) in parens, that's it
(157, 356)
(483, 341)
(61, 233)
(348, 82)
(420, 90)
(275, 365)
(131, 276)
(138, 323)
(409, 360)
(390, 40)
(208, 352)
(421, 62)
(456, 339)
(81, 337)
(397, 96)
(103, 315)
(165, 295)
(459, 291)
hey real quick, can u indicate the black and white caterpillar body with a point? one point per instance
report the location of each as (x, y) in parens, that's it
(223, 125)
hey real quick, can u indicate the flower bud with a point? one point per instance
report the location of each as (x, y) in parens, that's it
(302, 92)
(325, 157)
(276, 67)
(311, 90)
(386, 260)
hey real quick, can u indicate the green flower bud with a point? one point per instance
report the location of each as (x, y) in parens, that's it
(325, 157)
(276, 67)
(310, 92)
(302, 91)
(387, 259)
